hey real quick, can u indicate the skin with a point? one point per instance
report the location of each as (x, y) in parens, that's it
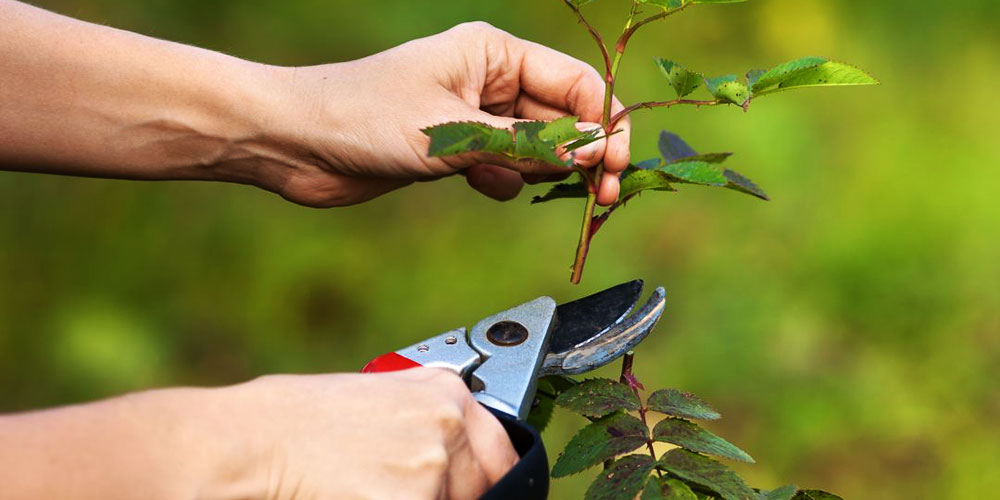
(88, 100)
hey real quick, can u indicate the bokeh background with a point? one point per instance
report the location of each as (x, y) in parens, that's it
(849, 329)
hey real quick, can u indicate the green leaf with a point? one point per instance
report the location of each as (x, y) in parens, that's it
(706, 472)
(815, 495)
(623, 480)
(549, 387)
(696, 172)
(683, 81)
(753, 76)
(638, 181)
(688, 435)
(464, 137)
(559, 191)
(828, 74)
(681, 404)
(606, 438)
(673, 148)
(598, 397)
(729, 89)
(740, 183)
(784, 71)
(683, 164)
(667, 489)
(783, 493)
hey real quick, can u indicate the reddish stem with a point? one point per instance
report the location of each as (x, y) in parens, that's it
(628, 378)
(658, 104)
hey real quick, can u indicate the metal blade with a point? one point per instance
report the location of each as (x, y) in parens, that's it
(584, 319)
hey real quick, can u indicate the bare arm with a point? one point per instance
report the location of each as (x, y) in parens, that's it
(83, 99)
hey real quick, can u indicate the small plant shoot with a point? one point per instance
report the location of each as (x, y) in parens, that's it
(679, 163)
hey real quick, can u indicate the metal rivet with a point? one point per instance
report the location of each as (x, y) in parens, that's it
(507, 333)
(451, 340)
(423, 348)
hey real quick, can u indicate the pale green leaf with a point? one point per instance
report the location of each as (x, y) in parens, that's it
(623, 480)
(706, 472)
(605, 438)
(784, 71)
(690, 436)
(830, 73)
(729, 89)
(683, 81)
(598, 397)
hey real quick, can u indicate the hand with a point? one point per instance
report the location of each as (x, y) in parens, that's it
(414, 434)
(358, 123)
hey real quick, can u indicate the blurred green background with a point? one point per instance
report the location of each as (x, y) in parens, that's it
(849, 329)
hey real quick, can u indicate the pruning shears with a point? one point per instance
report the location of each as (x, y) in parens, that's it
(503, 355)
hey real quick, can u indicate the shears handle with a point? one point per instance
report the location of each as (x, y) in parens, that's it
(529, 478)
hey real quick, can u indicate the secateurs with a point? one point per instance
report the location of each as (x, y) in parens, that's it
(503, 355)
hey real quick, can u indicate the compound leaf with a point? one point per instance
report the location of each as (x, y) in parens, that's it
(681, 404)
(605, 438)
(783, 493)
(783, 72)
(689, 435)
(830, 73)
(529, 140)
(683, 81)
(598, 397)
(706, 472)
(815, 495)
(623, 480)
(564, 190)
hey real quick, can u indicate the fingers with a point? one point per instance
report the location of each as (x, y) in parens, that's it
(489, 442)
(494, 181)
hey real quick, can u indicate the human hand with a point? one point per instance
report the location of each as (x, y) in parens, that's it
(357, 125)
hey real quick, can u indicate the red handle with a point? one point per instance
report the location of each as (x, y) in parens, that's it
(391, 362)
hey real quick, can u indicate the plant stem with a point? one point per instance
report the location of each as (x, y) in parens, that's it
(596, 35)
(628, 378)
(658, 104)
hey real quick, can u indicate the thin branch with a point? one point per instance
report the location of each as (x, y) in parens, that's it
(627, 34)
(659, 104)
(596, 35)
(628, 378)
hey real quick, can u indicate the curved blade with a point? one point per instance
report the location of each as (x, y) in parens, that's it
(582, 320)
(605, 348)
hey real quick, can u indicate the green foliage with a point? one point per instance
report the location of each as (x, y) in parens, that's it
(782, 493)
(706, 472)
(624, 479)
(683, 81)
(681, 404)
(605, 438)
(549, 388)
(815, 495)
(598, 397)
(688, 435)
(530, 140)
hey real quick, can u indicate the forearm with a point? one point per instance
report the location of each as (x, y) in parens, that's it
(82, 99)
(136, 446)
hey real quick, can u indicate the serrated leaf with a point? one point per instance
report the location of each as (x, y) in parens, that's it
(784, 493)
(695, 172)
(681, 404)
(644, 180)
(529, 144)
(549, 387)
(464, 137)
(688, 435)
(706, 472)
(560, 191)
(667, 489)
(729, 89)
(815, 495)
(784, 71)
(738, 182)
(623, 480)
(830, 73)
(605, 438)
(683, 81)
(673, 148)
(598, 397)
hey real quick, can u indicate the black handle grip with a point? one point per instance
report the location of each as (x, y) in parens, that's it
(529, 479)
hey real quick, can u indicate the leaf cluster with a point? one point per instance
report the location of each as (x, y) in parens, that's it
(689, 471)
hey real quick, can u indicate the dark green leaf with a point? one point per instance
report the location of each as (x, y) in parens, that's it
(696, 172)
(673, 148)
(638, 181)
(783, 493)
(606, 438)
(681, 404)
(729, 89)
(710, 157)
(738, 182)
(623, 480)
(559, 191)
(784, 71)
(548, 388)
(463, 137)
(706, 472)
(830, 73)
(598, 397)
(683, 81)
(688, 435)
(815, 495)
